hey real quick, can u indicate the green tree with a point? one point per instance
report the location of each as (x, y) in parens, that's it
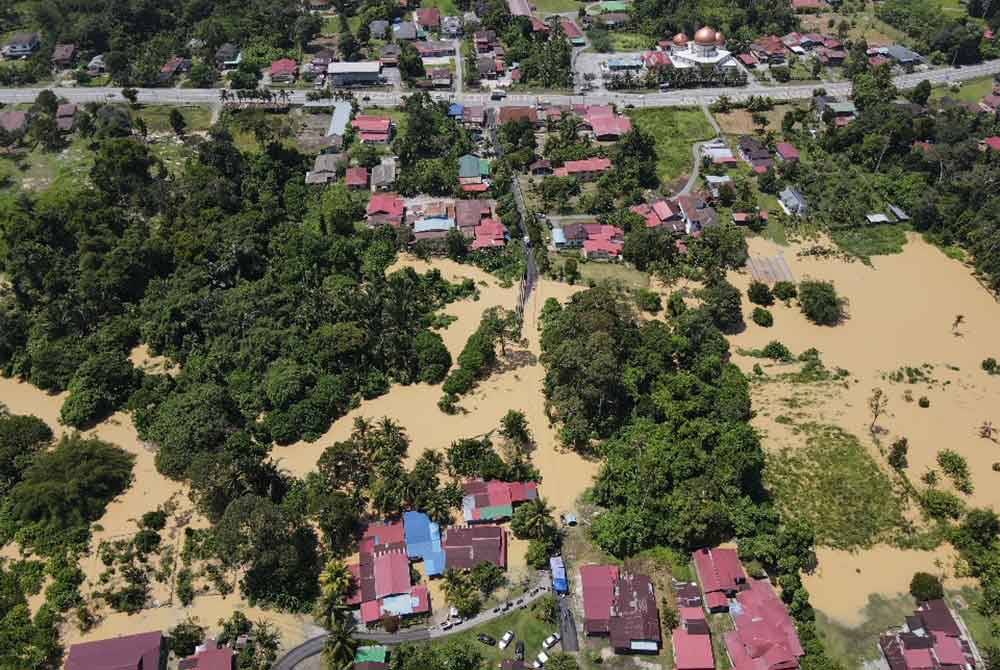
(533, 520)
(722, 302)
(340, 646)
(184, 637)
(562, 661)
(461, 593)
(22, 437)
(820, 303)
(177, 121)
(925, 586)
(760, 294)
(100, 385)
(336, 587)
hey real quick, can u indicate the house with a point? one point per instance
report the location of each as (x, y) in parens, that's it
(494, 500)
(63, 55)
(764, 635)
(901, 55)
(374, 657)
(688, 594)
(339, 120)
(661, 213)
(485, 41)
(876, 218)
(793, 202)
(584, 170)
(491, 234)
(769, 49)
(142, 651)
(716, 184)
(719, 153)
(474, 116)
(361, 73)
(434, 49)
(283, 71)
(622, 64)
(508, 114)
(603, 242)
(228, 56)
(787, 152)
(373, 129)
(385, 208)
(756, 154)
(377, 28)
(573, 32)
(65, 117)
(465, 547)
(22, 45)
(538, 26)
(540, 168)
(990, 103)
(357, 178)
(809, 6)
(721, 575)
(423, 542)
(487, 67)
(174, 67)
(610, 128)
(621, 606)
(451, 26)
(428, 18)
(841, 113)
(692, 651)
(440, 77)
(697, 214)
(404, 31)
(14, 122)
(472, 170)
(383, 175)
(570, 236)
(899, 213)
(389, 56)
(209, 656)
(96, 65)
(470, 214)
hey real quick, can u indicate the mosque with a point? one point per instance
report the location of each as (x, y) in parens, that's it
(704, 51)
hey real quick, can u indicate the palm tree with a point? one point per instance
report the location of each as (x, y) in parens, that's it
(336, 586)
(340, 648)
(533, 520)
(223, 95)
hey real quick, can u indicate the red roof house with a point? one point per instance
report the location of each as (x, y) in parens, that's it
(357, 177)
(635, 619)
(719, 570)
(492, 234)
(373, 129)
(428, 17)
(611, 127)
(488, 501)
(993, 143)
(572, 30)
(465, 547)
(212, 657)
(284, 70)
(392, 573)
(765, 637)
(598, 595)
(654, 59)
(386, 208)
(143, 651)
(692, 652)
(518, 114)
(586, 170)
(787, 151)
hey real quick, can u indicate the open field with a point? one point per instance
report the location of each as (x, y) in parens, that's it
(629, 41)
(740, 121)
(157, 117)
(674, 130)
(447, 7)
(863, 25)
(556, 6)
(971, 91)
(900, 315)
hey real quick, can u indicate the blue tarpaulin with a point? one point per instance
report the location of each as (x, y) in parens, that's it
(457, 110)
(423, 542)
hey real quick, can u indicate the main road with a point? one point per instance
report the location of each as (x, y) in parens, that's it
(678, 98)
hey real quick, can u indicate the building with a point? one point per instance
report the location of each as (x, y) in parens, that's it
(490, 234)
(66, 117)
(434, 227)
(787, 152)
(809, 6)
(325, 169)
(174, 67)
(705, 51)
(692, 651)
(378, 28)
(621, 606)
(494, 500)
(209, 656)
(840, 112)
(14, 122)
(63, 55)
(284, 71)
(756, 154)
(361, 73)
(769, 49)
(540, 168)
(423, 542)
(405, 31)
(721, 576)
(356, 178)
(434, 49)
(764, 637)
(661, 213)
(697, 213)
(716, 184)
(901, 55)
(22, 45)
(560, 581)
(339, 121)
(465, 547)
(473, 171)
(428, 19)
(451, 26)
(622, 64)
(584, 170)
(610, 128)
(383, 175)
(573, 32)
(385, 208)
(373, 657)
(719, 153)
(793, 202)
(508, 114)
(930, 639)
(142, 651)
(228, 56)
(474, 117)
(373, 129)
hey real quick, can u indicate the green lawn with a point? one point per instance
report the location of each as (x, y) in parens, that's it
(38, 169)
(157, 117)
(979, 626)
(598, 271)
(626, 41)
(953, 8)
(675, 129)
(852, 646)
(867, 241)
(971, 91)
(447, 7)
(556, 6)
(525, 626)
(832, 483)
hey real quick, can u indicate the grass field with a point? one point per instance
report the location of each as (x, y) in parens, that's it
(979, 626)
(675, 130)
(626, 41)
(862, 25)
(853, 646)
(867, 241)
(833, 483)
(157, 117)
(953, 8)
(601, 271)
(971, 91)
(447, 7)
(38, 169)
(556, 6)
(526, 628)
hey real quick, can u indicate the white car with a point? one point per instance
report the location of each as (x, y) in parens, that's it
(551, 641)
(507, 638)
(540, 660)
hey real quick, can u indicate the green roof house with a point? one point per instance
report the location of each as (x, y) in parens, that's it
(473, 167)
(613, 6)
(375, 654)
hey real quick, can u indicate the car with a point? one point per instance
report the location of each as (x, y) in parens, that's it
(551, 641)
(498, 94)
(446, 625)
(487, 639)
(366, 98)
(664, 87)
(507, 638)
(540, 660)
(519, 650)
(496, 610)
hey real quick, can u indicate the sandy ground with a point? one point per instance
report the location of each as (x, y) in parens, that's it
(518, 386)
(901, 312)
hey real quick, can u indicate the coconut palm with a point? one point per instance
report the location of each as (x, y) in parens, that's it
(533, 520)
(340, 647)
(336, 586)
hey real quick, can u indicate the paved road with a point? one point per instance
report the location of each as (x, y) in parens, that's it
(692, 181)
(680, 98)
(314, 646)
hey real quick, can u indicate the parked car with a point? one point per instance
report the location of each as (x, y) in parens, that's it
(507, 638)
(498, 94)
(519, 650)
(540, 660)
(446, 625)
(551, 641)
(487, 639)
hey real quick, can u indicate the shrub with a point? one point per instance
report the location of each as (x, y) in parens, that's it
(648, 301)
(675, 304)
(941, 505)
(154, 520)
(777, 351)
(762, 317)
(897, 455)
(185, 586)
(146, 540)
(184, 637)
(925, 586)
(785, 290)
(924, 402)
(990, 366)
(820, 302)
(546, 609)
(955, 466)
(760, 294)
